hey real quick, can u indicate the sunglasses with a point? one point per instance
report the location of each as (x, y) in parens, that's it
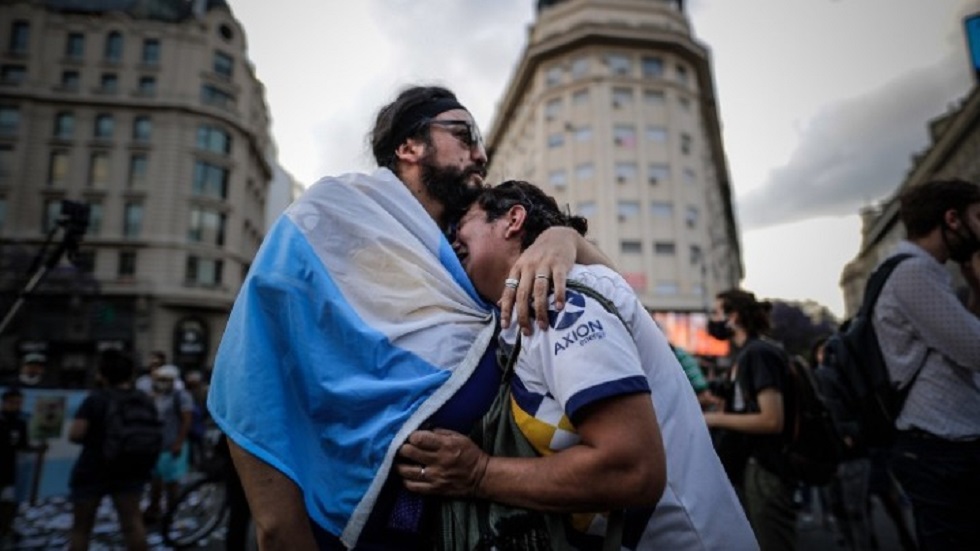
(471, 138)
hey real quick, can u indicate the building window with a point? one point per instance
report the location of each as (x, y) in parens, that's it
(630, 246)
(624, 136)
(70, 81)
(215, 140)
(552, 109)
(75, 46)
(619, 64)
(217, 97)
(151, 52)
(113, 47)
(203, 271)
(98, 170)
(9, 120)
(553, 76)
(664, 248)
(223, 65)
(681, 72)
(6, 162)
(666, 288)
(584, 171)
(142, 128)
(580, 97)
(558, 179)
(653, 67)
(622, 97)
(583, 134)
(58, 169)
(695, 252)
(20, 37)
(132, 219)
(210, 180)
(127, 264)
(104, 126)
(691, 216)
(653, 97)
(657, 173)
(586, 209)
(206, 226)
(556, 140)
(627, 209)
(147, 86)
(13, 74)
(684, 103)
(94, 218)
(64, 125)
(625, 172)
(660, 209)
(3, 213)
(109, 83)
(656, 134)
(686, 144)
(580, 67)
(137, 170)
(52, 211)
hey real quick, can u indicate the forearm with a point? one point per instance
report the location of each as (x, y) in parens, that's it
(574, 480)
(276, 503)
(751, 423)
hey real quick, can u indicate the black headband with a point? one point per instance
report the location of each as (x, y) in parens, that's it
(408, 122)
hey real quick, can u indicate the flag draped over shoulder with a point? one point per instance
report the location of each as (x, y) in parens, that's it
(355, 323)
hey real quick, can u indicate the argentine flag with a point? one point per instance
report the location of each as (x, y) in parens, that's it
(355, 323)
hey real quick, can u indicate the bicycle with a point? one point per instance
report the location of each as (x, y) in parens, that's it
(202, 505)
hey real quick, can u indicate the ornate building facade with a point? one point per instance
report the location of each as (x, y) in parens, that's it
(149, 112)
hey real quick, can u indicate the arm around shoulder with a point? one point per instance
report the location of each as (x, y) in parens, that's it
(276, 503)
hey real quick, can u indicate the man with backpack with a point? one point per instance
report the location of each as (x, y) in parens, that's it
(930, 343)
(175, 408)
(121, 437)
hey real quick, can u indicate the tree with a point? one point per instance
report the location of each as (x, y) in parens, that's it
(798, 325)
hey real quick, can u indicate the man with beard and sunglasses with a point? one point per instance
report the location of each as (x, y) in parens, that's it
(357, 325)
(930, 342)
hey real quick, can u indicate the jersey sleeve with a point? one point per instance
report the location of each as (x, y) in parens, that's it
(586, 355)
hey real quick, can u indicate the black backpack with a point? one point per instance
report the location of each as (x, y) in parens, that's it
(813, 446)
(133, 432)
(867, 393)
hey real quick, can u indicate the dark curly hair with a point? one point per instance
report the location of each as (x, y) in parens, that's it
(923, 207)
(753, 315)
(542, 209)
(389, 130)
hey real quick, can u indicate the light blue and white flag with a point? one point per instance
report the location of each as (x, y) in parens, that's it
(356, 322)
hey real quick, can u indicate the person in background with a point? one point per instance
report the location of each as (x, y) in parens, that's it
(91, 479)
(175, 408)
(696, 377)
(144, 381)
(13, 438)
(33, 371)
(754, 416)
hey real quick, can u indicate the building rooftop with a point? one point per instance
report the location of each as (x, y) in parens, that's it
(164, 10)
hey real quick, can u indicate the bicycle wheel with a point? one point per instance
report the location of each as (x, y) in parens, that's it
(200, 508)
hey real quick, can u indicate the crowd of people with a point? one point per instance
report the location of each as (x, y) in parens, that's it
(417, 355)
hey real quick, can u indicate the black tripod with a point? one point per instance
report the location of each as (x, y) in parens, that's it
(71, 224)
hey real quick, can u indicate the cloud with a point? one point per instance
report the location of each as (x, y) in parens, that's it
(856, 151)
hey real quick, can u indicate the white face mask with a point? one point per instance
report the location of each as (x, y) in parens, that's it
(30, 379)
(163, 387)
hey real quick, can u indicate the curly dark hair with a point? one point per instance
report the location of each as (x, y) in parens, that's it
(923, 207)
(542, 209)
(753, 315)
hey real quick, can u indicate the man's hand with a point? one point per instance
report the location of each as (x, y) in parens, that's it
(552, 254)
(442, 462)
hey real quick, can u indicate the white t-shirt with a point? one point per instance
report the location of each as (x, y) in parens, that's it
(587, 355)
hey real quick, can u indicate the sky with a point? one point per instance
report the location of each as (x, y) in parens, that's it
(822, 102)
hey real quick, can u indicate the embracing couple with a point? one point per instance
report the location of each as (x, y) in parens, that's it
(386, 314)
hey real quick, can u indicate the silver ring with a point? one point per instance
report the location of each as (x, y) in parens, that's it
(542, 276)
(422, 473)
(511, 282)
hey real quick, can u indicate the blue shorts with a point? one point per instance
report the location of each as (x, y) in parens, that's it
(170, 468)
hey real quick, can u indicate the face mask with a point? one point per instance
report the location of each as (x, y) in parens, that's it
(163, 386)
(965, 246)
(720, 330)
(30, 379)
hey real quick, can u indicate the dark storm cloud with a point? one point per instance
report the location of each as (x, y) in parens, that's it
(856, 151)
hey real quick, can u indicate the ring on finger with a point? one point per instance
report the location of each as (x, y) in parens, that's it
(422, 473)
(511, 282)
